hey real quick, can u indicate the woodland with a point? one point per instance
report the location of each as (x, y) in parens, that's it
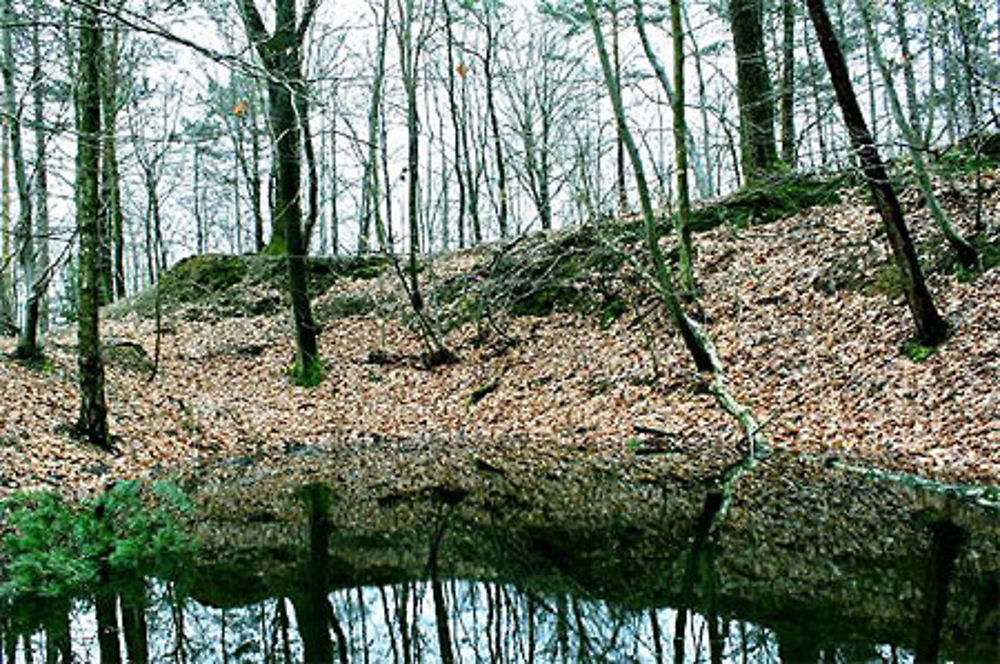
(418, 250)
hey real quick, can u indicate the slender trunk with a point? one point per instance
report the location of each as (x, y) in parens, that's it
(706, 185)
(788, 83)
(39, 86)
(199, 224)
(931, 328)
(24, 235)
(370, 178)
(966, 253)
(8, 322)
(253, 180)
(334, 179)
(456, 122)
(111, 178)
(495, 126)
(681, 154)
(617, 82)
(93, 423)
(675, 93)
(661, 269)
(312, 172)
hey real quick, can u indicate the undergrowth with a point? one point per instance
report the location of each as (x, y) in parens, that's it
(54, 548)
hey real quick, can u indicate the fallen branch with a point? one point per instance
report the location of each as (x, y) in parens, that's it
(987, 497)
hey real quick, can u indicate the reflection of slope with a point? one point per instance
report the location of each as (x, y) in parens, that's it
(810, 563)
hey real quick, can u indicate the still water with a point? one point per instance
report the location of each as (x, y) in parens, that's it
(598, 566)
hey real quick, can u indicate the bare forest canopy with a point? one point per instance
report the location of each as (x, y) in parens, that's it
(701, 174)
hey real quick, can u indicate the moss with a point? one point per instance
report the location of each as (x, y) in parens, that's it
(886, 281)
(198, 277)
(916, 351)
(769, 200)
(346, 306)
(538, 276)
(40, 362)
(308, 375)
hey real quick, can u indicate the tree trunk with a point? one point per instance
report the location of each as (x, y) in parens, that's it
(370, 178)
(93, 424)
(661, 269)
(111, 181)
(788, 83)
(931, 328)
(495, 126)
(40, 88)
(8, 321)
(456, 121)
(285, 95)
(617, 81)
(754, 92)
(912, 132)
(27, 347)
(675, 93)
(311, 170)
(256, 189)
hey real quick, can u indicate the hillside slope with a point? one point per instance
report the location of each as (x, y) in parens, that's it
(804, 311)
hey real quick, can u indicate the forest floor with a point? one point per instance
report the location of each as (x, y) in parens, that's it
(804, 311)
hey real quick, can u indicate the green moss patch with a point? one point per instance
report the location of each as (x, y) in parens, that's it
(769, 200)
(539, 275)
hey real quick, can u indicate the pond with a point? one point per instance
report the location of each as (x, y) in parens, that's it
(584, 562)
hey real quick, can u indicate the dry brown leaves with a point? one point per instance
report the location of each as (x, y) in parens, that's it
(823, 371)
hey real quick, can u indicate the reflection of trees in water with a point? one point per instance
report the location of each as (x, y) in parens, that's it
(487, 622)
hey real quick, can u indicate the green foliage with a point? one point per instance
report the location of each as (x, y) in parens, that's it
(54, 548)
(943, 258)
(41, 363)
(971, 155)
(308, 375)
(226, 285)
(764, 201)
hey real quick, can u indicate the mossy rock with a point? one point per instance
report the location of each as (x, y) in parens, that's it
(346, 306)
(321, 271)
(537, 276)
(197, 277)
(765, 201)
(127, 355)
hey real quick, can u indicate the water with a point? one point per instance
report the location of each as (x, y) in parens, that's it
(591, 568)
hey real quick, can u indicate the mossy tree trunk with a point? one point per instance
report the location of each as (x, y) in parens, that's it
(280, 52)
(675, 93)
(931, 328)
(754, 92)
(111, 199)
(7, 320)
(787, 101)
(93, 422)
(37, 297)
(661, 269)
